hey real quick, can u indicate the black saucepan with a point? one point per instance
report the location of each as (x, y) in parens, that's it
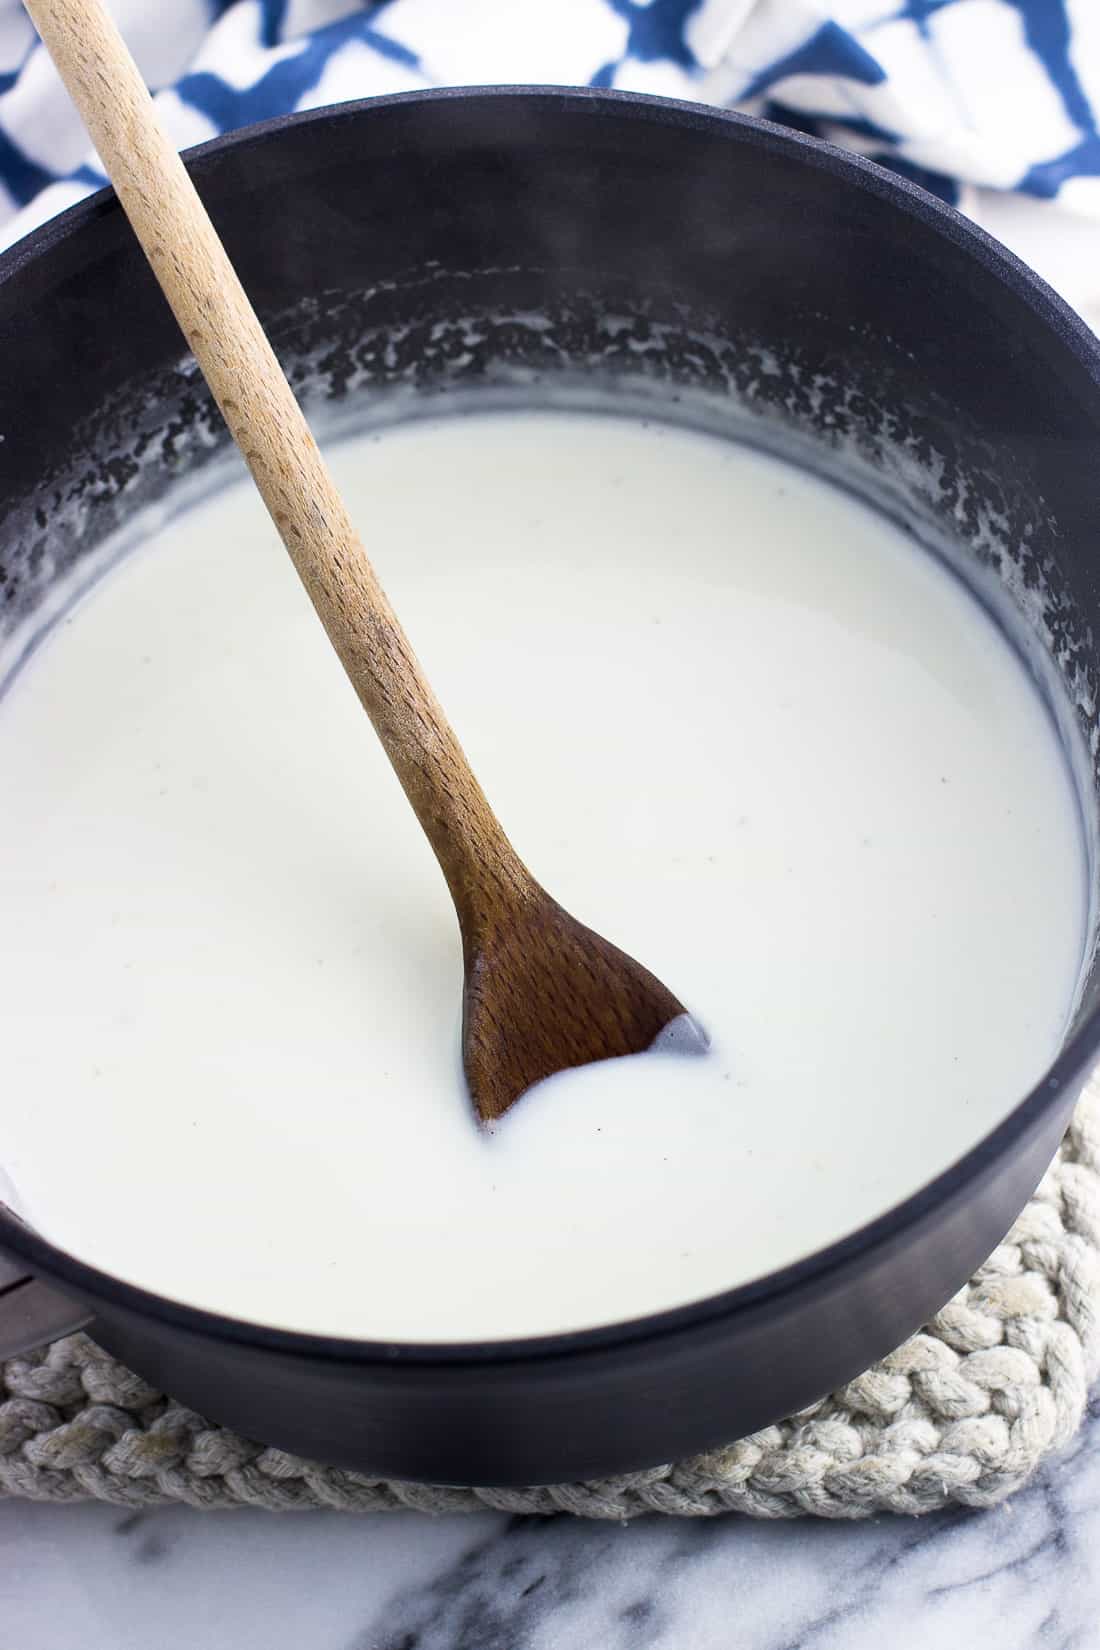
(507, 243)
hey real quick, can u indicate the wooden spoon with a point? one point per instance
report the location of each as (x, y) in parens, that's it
(542, 992)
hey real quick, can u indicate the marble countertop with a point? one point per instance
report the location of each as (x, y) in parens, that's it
(1023, 1577)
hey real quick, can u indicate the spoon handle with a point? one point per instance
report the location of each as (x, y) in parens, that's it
(240, 366)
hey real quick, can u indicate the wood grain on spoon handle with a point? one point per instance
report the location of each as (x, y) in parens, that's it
(269, 427)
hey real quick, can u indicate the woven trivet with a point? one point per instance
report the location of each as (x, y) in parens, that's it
(962, 1413)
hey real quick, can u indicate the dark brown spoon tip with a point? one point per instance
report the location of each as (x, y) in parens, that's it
(543, 993)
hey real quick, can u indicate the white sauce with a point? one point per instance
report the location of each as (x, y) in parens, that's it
(731, 718)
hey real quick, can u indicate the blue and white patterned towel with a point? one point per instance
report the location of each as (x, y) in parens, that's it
(1001, 93)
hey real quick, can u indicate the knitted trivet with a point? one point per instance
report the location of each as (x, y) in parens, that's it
(963, 1412)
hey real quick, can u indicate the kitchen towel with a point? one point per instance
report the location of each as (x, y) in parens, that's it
(953, 93)
(962, 1413)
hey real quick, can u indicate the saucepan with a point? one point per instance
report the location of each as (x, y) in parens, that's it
(481, 241)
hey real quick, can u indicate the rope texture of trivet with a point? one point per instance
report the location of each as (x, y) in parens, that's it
(962, 1413)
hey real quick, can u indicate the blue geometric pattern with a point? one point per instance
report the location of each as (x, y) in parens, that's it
(1001, 93)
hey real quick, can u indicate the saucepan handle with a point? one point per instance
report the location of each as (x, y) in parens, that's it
(33, 1313)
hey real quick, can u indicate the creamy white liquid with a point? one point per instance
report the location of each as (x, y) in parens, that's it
(731, 718)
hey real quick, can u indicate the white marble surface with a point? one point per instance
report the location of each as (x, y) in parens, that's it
(1023, 1577)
